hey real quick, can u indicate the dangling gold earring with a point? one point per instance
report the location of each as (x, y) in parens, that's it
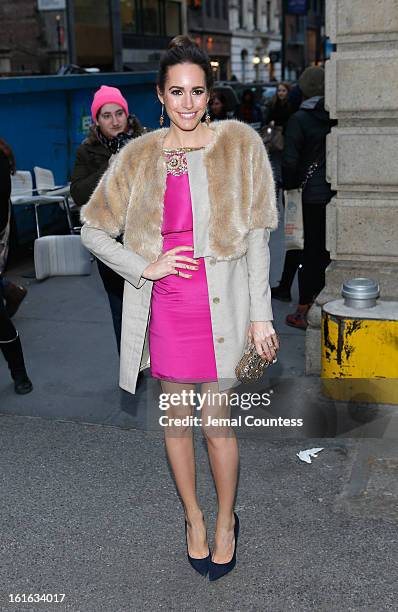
(207, 117)
(161, 118)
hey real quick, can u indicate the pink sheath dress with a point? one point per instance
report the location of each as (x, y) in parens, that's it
(180, 331)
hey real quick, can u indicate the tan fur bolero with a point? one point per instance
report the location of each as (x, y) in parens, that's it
(129, 197)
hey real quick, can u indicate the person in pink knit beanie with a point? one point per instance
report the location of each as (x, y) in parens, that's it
(113, 127)
(110, 111)
(107, 95)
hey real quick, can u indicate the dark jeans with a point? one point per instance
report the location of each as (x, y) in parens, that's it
(7, 329)
(315, 256)
(113, 285)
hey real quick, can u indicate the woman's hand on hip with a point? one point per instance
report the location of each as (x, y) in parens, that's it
(171, 262)
(264, 337)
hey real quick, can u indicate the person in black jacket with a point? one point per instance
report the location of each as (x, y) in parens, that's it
(10, 343)
(279, 109)
(305, 149)
(113, 128)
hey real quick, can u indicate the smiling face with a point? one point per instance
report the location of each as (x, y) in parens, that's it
(112, 120)
(185, 96)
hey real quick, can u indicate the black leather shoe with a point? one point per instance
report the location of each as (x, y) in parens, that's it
(200, 565)
(22, 385)
(218, 570)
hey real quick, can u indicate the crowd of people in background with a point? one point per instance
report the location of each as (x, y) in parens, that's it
(296, 118)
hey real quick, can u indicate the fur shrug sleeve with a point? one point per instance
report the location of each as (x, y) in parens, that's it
(264, 213)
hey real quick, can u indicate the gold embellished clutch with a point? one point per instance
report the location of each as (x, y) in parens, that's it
(251, 366)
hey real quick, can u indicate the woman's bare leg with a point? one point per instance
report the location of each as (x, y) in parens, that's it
(181, 455)
(223, 452)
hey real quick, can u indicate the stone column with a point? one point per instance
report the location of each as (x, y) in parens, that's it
(362, 153)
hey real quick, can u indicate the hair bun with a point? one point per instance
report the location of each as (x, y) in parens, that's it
(182, 41)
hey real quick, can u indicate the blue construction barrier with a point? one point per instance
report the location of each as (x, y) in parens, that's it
(45, 118)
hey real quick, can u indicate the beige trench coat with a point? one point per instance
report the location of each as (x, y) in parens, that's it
(238, 288)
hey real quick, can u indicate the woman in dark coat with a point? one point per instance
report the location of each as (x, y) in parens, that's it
(277, 112)
(113, 128)
(10, 343)
(305, 147)
(279, 108)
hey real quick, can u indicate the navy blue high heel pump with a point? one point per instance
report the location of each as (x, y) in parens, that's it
(200, 565)
(218, 570)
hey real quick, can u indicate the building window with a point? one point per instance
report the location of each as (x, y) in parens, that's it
(243, 57)
(269, 16)
(150, 17)
(225, 9)
(208, 8)
(255, 14)
(241, 14)
(93, 33)
(173, 18)
(128, 16)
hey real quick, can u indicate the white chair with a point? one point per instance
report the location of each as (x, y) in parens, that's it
(45, 185)
(45, 182)
(22, 194)
(21, 186)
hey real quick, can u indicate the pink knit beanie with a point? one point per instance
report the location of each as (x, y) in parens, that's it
(107, 95)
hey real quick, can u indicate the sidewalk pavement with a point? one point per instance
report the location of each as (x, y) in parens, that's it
(89, 507)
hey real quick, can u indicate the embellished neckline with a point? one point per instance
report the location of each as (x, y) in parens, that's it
(176, 160)
(182, 149)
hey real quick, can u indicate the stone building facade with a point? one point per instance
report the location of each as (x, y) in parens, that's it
(362, 153)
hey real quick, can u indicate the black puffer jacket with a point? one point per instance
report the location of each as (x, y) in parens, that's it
(305, 143)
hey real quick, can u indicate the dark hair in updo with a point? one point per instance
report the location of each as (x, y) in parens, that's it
(183, 50)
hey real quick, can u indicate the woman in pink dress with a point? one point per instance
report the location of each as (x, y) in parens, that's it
(180, 312)
(180, 330)
(195, 204)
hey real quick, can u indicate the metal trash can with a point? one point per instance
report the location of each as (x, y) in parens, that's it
(360, 345)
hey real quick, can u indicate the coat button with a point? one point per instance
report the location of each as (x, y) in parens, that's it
(220, 340)
(216, 300)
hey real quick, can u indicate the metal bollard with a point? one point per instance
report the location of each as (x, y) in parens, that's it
(360, 345)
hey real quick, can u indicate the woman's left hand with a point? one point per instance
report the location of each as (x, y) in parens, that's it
(263, 335)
